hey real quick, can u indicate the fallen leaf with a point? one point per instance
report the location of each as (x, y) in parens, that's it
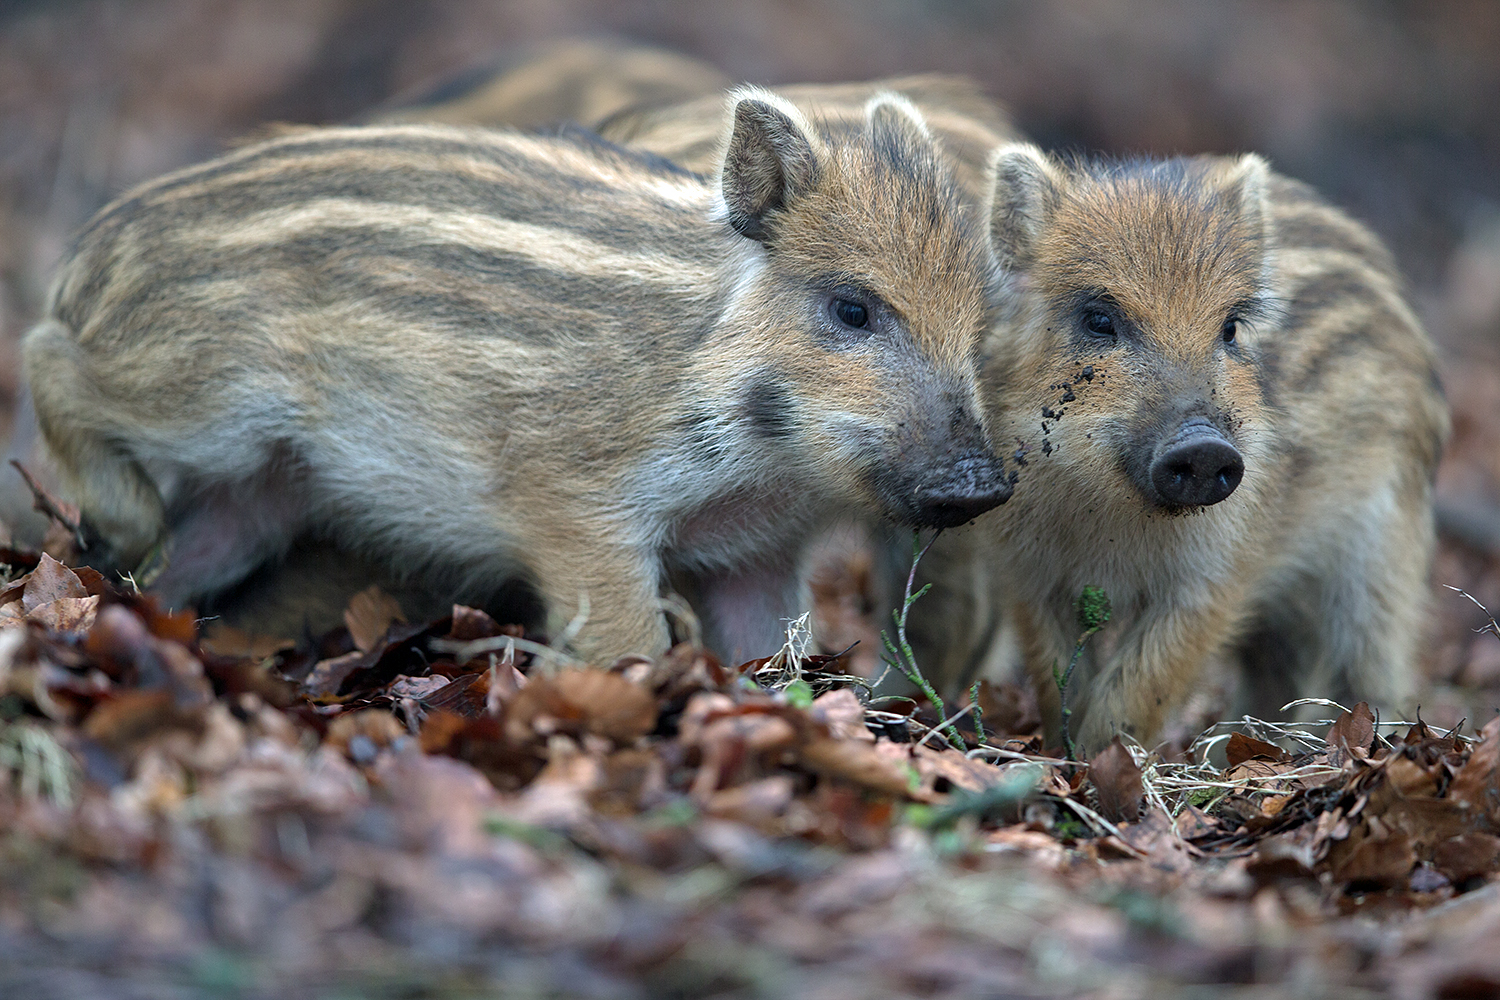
(610, 705)
(1375, 856)
(48, 582)
(370, 614)
(862, 764)
(1241, 748)
(955, 769)
(842, 713)
(1352, 733)
(471, 623)
(328, 676)
(377, 729)
(1118, 782)
(1467, 855)
(66, 614)
(1475, 785)
(1009, 709)
(130, 716)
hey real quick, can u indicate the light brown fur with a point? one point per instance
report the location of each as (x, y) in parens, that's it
(475, 356)
(1312, 572)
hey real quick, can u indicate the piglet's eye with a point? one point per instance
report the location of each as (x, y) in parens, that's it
(1099, 323)
(851, 313)
(1231, 330)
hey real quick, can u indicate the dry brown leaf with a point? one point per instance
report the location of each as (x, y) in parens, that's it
(131, 715)
(1476, 784)
(1118, 781)
(225, 640)
(610, 705)
(11, 592)
(471, 623)
(370, 614)
(1467, 855)
(329, 675)
(576, 701)
(48, 582)
(862, 764)
(1241, 748)
(66, 614)
(377, 726)
(1353, 732)
(1410, 778)
(953, 767)
(1194, 822)
(1009, 709)
(842, 713)
(755, 802)
(1374, 856)
(439, 728)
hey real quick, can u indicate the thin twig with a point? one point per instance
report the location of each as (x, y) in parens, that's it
(466, 650)
(43, 502)
(947, 724)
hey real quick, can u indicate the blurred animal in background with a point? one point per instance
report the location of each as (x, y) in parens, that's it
(472, 357)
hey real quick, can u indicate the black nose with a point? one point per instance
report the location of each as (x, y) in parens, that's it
(1196, 468)
(974, 484)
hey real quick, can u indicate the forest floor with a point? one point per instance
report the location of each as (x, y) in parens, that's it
(442, 809)
(450, 809)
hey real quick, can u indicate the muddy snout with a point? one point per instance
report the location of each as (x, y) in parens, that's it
(1195, 467)
(971, 485)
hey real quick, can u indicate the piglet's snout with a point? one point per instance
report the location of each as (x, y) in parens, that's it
(974, 483)
(1196, 467)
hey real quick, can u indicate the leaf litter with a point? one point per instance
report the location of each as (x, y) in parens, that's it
(447, 806)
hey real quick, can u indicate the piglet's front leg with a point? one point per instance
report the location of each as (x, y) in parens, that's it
(617, 586)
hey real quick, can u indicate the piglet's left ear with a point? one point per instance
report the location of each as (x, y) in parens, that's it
(772, 157)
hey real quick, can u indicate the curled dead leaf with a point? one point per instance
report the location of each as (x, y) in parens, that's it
(1374, 855)
(1118, 782)
(611, 706)
(576, 701)
(1467, 855)
(1241, 748)
(842, 713)
(1352, 734)
(1477, 783)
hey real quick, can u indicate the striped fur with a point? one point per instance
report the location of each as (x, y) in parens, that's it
(1312, 572)
(475, 356)
(1311, 575)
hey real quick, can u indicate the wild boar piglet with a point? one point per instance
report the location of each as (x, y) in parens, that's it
(476, 356)
(1225, 415)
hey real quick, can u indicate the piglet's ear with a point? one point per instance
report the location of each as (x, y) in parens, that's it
(1024, 188)
(895, 119)
(772, 157)
(1251, 175)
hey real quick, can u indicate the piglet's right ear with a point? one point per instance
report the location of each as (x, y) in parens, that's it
(771, 158)
(1024, 186)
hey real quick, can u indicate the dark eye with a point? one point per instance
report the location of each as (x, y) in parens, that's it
(851, 313)
(1099, 323)
(1231, 330)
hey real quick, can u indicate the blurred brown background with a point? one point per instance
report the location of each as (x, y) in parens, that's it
(1389, 108)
